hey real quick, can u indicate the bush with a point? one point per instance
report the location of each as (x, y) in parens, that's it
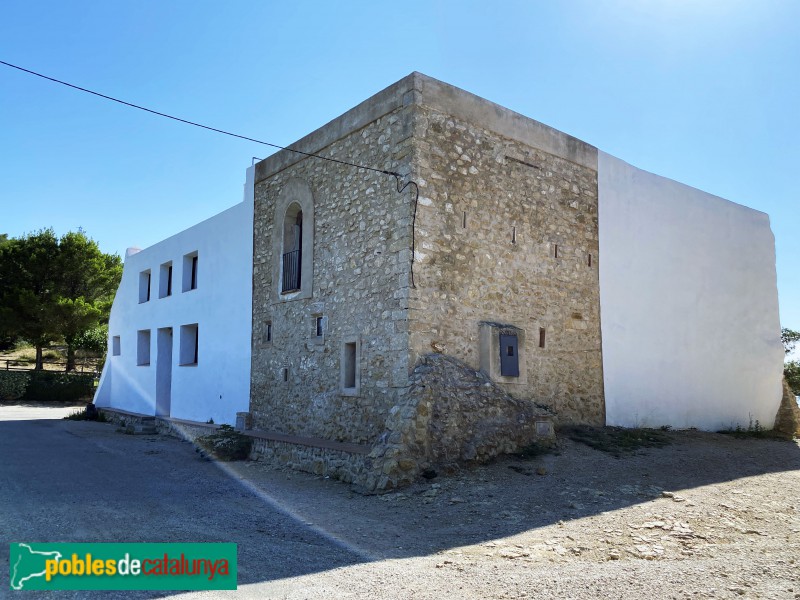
(13, 384)
(226, 444)
(53, 386)
(791, 370)
(81, 415)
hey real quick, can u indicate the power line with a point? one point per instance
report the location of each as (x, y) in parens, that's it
(161, 114)
(398, 177)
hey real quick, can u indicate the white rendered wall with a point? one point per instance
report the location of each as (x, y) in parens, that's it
(219, 385)
(688, 305)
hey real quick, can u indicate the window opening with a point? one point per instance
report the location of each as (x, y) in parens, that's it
(292, 249)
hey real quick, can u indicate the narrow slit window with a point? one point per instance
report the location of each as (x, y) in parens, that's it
(319, 326)
(513, 235)
(464, 221)
(165, 281)
(267, 337)
(286, 374)
(350, 371)
(555, 250)
(190, 266)
(541, 337)
(349, 376)
(590, 260)
(144, 287)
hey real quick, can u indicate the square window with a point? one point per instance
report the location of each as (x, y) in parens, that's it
(116, 346)
(144, 286)
(189, 345)
(190, 272)
(165, 280)
(143, 347)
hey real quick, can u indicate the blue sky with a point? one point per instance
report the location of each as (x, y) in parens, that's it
(704, 92)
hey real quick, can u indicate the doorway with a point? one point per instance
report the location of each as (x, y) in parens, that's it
(164, 372)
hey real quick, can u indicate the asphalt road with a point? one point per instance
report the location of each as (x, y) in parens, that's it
(72, 481)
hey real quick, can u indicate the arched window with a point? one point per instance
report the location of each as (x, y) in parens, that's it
(293, 241)
(292, 255)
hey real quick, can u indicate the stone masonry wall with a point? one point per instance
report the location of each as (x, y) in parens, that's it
(491, 213)
(452, 415)
(361, 257)
(787, 421)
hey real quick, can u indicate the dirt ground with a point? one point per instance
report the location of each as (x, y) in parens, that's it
(707, 516)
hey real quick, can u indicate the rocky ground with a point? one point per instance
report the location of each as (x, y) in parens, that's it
(706, 516)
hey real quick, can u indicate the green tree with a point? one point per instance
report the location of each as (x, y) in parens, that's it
(53, 289)
(791, 370)
(88, 281)
(789, 338)
(29, 289)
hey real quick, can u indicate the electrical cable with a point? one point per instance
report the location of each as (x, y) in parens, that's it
(398, 177)
(413, 220)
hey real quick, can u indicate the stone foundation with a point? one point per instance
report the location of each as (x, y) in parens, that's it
(787, 420)
(453, 415)
(349, 467)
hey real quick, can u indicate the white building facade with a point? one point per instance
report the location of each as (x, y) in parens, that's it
(689, 332)
(688, 305)
(180, 325)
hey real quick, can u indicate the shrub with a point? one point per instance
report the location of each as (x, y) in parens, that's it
(52, 386)
(81, 415)
(226, 444)
(791, 370)
(13, 384)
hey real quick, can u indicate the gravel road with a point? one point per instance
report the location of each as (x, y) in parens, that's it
(707, 516)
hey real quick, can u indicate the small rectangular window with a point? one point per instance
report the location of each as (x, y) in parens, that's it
(319, 326)
(350, 369)
(590, 260)
(165, 280)
(541, 337)
(116, 346)
(190, 272)
(144, 286)
(189, 344)
(143, 347)
(350, 365)
(267, 335)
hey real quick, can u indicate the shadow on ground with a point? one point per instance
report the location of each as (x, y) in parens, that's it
(67, 481)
